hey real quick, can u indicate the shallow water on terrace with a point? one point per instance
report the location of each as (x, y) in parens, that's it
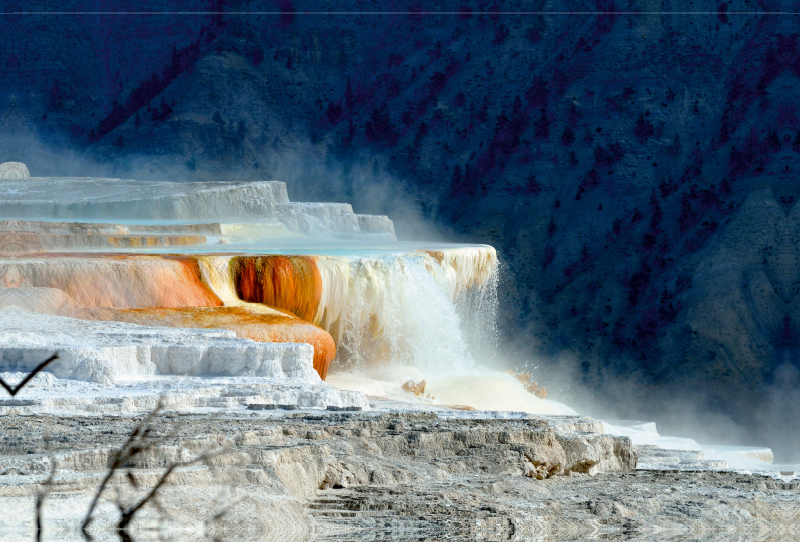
(298, 246)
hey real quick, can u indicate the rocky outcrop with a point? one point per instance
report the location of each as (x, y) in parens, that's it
(314, 467)
(13, 170)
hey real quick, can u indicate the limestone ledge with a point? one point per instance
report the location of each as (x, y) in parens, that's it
(48, 394)
(92, 198)
(105, 352)
(294, 467)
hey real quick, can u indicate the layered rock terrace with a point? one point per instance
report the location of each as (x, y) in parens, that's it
(192, 261)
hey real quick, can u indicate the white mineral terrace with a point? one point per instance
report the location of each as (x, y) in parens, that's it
(147, 290)
(90, 198)
(106, 352)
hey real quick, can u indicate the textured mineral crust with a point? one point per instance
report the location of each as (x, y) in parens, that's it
(105, 352)
(294, 465)
(382, 475)
(13, 170)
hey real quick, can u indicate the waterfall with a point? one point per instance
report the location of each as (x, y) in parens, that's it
(410, 310)
(394, 316)
(423, 315)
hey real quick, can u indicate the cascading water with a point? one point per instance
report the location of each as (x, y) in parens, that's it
(425, 316)
(478, 307)
(398, 314)
(389, 311)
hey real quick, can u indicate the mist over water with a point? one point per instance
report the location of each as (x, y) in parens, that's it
(435, 330)
(600, 203)
(400, 301)
(432, 323)
(405, 303)
(470, 333)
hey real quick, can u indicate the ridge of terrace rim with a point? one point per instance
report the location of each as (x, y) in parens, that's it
(120, 182)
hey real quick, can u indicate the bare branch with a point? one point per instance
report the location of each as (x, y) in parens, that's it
(44, 491)
(130, 513)
(120, 457)
(13, 390)
(141, 441)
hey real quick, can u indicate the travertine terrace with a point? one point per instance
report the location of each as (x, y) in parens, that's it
(237, 266)
(226, 299)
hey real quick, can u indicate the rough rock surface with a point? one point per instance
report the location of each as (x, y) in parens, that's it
(245, 321)
(392, 476)
(248, 321)
(14, 170)
(46, 394)
(310, 469)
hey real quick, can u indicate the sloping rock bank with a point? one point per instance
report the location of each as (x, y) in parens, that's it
(384, 476)
(295, 467)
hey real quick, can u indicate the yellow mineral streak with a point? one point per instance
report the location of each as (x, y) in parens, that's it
(136, 241)
(255, 231)
(216, 274)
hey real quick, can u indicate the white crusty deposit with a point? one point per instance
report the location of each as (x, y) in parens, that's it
(46, 394)
(91, 198)
(13, 170)
(106, 352)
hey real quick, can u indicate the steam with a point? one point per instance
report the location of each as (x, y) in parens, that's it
(460, 335)
(678, 411)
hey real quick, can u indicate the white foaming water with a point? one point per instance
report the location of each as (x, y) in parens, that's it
(397, 314)
(407, 317)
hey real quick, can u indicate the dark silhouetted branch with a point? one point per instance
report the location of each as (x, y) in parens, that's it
(13, 390)
(142, 442)
(44, 491)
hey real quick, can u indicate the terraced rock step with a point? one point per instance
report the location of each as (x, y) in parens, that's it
(105, 352)
(300, 457)
(386, 476)
(91, 198)
(655, 458)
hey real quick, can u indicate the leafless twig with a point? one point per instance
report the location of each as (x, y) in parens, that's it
(139, 443)
(13, 390)
(44, 491)
(129, 512)
(131, 448)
